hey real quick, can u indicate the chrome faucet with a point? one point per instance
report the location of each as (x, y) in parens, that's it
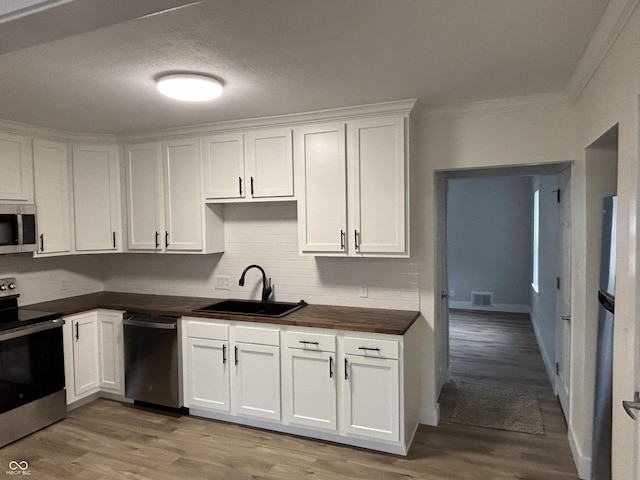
(266, 288)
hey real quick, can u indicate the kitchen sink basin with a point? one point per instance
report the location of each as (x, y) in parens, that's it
(252, 307)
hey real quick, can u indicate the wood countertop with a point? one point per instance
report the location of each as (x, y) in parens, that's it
(371, 320)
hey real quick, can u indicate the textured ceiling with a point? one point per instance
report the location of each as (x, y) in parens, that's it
(286, 56)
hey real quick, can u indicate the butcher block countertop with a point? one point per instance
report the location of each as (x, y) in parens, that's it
(371, 320)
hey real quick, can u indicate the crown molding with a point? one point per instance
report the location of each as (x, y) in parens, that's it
(47, 133)
(401, 107)
(500, 105)
(613, 20)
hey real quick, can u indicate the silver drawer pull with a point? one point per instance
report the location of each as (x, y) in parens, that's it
(369, 349)
(305, 342)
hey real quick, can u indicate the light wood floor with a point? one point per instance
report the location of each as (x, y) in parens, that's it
(110, 440)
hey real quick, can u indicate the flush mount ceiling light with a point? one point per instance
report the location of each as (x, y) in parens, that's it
(189, 87)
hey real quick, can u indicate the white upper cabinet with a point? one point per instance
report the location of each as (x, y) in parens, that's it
(16, 181)
(253, 165)
(269, 160)
(165, 207)
(353, 201)
(51, 174)
(96, 193)
(145, 208)
(224, 166)
(183, 195)
(322, 184)
(378, 207)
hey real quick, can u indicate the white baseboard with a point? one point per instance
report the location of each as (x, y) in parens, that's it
(496, 307)
(548, 363)
(430, 416)
(583, 463)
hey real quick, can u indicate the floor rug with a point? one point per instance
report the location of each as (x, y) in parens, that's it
(500, 408)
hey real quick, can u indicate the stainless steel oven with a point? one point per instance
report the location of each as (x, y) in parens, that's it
(17, 228)
(32, 393)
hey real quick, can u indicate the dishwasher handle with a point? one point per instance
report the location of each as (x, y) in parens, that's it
(131, 321)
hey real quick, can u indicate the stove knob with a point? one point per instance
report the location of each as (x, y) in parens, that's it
(12, 286)
(3, 287)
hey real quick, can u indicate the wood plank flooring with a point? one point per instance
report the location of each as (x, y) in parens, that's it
(110, 440)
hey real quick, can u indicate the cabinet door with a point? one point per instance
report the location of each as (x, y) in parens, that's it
(184, 205)
(207, 374)
(310, 388)
(51, 172)
(322, 201)
(269, 162)
(85, 360)
(16, 181)
(110, 351)
(378, 185)
(95, 197)
(143, 165)
(371, 400)
(256, 381)
(223, 162)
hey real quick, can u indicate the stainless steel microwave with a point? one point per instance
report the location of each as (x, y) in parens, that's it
(17, 228)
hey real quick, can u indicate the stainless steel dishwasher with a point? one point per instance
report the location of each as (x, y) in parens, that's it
(152, 372)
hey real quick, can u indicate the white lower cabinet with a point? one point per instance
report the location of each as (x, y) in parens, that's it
(255, 381)
(93, 354)
(232, 368)
(309, 377)
(371, 402)
(355, 388)
(110, 351)
(206, 361)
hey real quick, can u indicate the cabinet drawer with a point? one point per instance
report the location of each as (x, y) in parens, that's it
(310, 341)
(371, 347)
(259, 336)
(211, 331)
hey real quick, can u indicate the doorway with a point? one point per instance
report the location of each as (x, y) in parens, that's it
(491, 311)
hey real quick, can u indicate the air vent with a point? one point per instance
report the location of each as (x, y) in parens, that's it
(481, 299)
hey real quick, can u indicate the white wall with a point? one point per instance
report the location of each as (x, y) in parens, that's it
(266, 234)
(493, 136)
(489, 241)
(43, 279)
(610, 98)
(543, 302)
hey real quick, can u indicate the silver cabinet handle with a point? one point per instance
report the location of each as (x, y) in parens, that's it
(635, 405)
(306, 342)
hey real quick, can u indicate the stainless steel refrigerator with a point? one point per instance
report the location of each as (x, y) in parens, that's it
(601, 452)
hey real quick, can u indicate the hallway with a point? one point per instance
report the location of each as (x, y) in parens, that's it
(501, 350)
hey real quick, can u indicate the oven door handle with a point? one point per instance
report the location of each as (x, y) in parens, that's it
(29, 329)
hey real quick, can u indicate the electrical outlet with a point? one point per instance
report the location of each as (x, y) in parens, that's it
(364, 291)
(222, 282)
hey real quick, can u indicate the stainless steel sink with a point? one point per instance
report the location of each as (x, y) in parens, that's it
(252, 307)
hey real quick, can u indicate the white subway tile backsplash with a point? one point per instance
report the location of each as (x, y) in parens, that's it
(43, 279)
(266, 234)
